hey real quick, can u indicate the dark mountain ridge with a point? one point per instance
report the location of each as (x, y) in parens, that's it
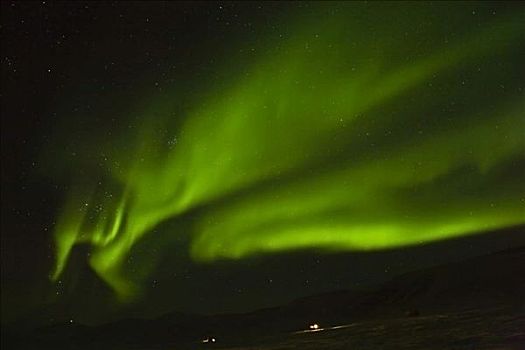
(485, 282)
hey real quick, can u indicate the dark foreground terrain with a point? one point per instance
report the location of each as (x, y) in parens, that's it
(474, 329)
(474, 304)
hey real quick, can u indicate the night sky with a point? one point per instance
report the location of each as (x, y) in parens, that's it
(223, 157)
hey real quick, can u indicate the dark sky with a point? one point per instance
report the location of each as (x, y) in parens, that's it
(222, 157)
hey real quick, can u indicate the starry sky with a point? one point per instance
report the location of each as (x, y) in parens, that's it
(226, 156)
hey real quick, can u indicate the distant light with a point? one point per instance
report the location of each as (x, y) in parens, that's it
(314, 326)
(209, 340)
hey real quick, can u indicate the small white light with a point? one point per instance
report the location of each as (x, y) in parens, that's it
(314, 326)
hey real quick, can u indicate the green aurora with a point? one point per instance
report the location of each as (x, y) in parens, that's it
(335, 138)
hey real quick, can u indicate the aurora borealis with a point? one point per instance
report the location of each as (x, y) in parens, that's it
(352, 127)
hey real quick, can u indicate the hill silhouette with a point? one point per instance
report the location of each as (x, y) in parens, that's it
(489, 282)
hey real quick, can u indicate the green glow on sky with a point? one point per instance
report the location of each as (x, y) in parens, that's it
(329, 140)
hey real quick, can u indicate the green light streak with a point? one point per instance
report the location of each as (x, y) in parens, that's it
(254, 154)
(375, 217)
